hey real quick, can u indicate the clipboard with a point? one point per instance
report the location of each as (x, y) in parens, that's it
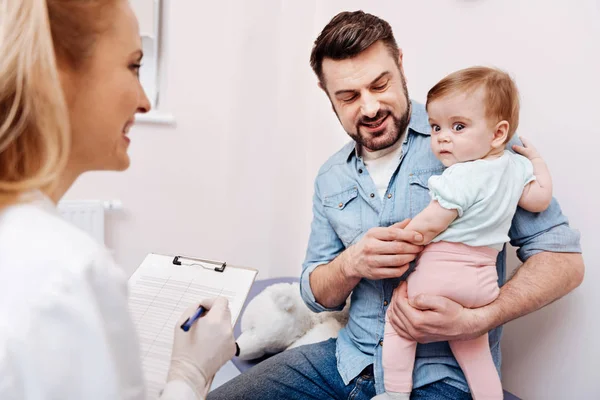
(162, 288)
(219, 266)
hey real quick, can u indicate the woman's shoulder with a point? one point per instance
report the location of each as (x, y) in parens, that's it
(33, 230)
(59, 290)
(44, 260)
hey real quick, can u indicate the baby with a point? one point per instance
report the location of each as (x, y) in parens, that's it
(473, 114)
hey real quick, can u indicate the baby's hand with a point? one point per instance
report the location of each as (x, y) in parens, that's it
(527, 149)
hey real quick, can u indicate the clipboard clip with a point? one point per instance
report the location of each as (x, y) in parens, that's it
(218, 266)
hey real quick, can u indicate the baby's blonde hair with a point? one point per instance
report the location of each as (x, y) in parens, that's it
(34, 120)
(501, 94)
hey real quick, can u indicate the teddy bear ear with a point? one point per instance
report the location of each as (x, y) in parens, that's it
(283, 298)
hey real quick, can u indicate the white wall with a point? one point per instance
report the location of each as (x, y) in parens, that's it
(233, 179)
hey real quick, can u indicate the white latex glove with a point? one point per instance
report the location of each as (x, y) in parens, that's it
(207, 346)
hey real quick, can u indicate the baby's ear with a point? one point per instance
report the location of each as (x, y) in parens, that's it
(500, 134)
(283, 297)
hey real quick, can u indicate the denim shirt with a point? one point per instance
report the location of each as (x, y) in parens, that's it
(346, 205)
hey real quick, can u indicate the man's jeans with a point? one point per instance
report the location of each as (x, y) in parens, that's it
(310, 372)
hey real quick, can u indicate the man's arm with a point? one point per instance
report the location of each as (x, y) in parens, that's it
(552, 268)
(382, 253)
(330, 283)
(542, 279)
(330, 272)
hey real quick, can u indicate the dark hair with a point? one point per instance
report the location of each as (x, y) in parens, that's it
(347, 35)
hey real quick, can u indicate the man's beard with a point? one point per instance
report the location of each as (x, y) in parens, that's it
(392, 132)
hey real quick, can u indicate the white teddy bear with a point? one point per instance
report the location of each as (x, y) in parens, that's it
(278, 319)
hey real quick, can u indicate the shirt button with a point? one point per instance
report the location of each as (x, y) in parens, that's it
(341, 205)
(389, 195)
(360, 170)
(372, 195)
(385, 303)
(381, 342)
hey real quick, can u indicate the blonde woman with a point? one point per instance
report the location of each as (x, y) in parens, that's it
(69, 90)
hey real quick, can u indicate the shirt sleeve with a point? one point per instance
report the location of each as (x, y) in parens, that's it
(323, 246)
(77, 341)
(453, 189)
(533, 233)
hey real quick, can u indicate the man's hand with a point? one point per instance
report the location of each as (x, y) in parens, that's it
(382, 253)
(433, 318)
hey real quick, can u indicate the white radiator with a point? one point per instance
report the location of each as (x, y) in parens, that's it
(88, 215)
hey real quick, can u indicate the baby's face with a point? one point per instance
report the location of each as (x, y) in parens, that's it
(460, 131)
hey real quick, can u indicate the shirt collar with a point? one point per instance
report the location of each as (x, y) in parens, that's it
(419, 121)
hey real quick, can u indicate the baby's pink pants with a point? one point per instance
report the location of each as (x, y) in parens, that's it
(468, 276)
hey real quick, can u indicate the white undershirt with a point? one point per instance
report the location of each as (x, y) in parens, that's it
(381, 164)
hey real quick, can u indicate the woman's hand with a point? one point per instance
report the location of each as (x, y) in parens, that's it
(200, 352)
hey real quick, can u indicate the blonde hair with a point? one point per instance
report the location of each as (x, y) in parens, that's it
(501, 94)
(34, 120)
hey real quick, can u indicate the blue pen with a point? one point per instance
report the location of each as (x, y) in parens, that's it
(188, 324)
(190, 321)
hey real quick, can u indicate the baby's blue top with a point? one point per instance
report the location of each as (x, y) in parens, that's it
(486, 194)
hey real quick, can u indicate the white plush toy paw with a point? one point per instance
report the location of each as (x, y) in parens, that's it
(278, 319)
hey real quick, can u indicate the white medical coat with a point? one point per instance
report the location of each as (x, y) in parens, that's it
(65, 328)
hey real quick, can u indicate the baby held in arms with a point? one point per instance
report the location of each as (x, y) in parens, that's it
(473, 114)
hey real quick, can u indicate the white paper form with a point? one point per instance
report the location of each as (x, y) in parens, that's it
(161, 291)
